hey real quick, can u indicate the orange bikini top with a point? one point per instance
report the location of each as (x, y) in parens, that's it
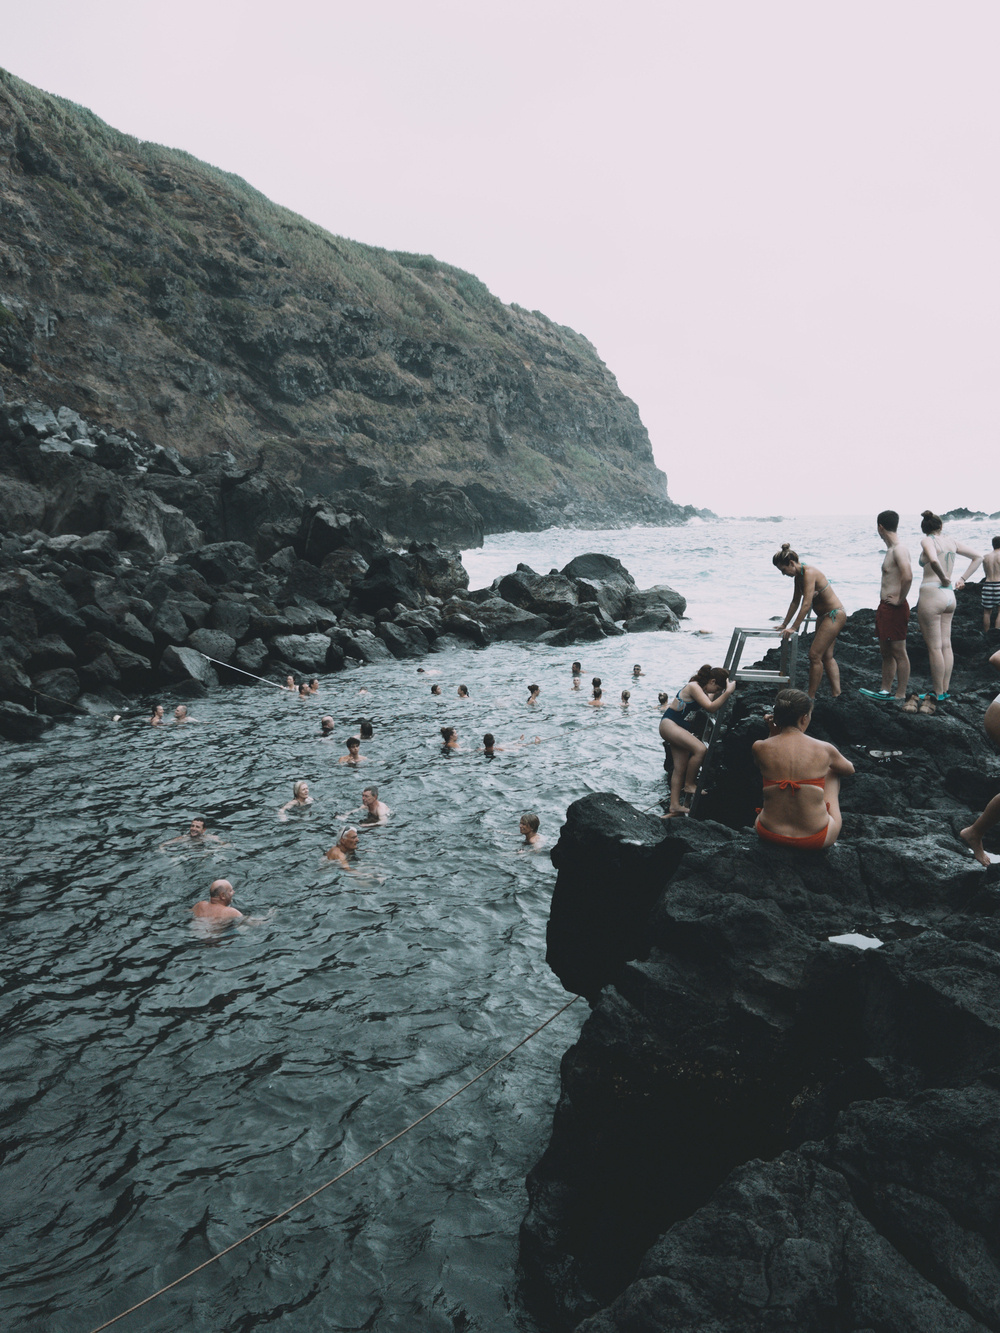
(793, 784)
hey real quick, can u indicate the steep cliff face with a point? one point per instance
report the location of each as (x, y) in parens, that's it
(138, 284)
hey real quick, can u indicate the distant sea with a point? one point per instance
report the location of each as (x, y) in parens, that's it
(723, 567)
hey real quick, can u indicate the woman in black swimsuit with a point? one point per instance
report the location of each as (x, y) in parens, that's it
(813, 593)
(707, 691)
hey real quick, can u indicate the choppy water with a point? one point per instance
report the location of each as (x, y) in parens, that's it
(166, 1090)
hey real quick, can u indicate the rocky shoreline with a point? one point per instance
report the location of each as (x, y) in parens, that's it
(761, 1129)
(113, 585)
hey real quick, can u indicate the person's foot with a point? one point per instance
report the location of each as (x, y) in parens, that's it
(974, 842)
(672, 814)
(882, 696)
(911, 704)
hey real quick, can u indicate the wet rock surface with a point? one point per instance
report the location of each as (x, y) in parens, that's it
(165, 568)
(761, 1129)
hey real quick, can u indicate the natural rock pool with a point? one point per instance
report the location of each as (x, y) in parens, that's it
(167, 1090)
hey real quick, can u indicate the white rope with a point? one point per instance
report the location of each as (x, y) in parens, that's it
(346, 1172)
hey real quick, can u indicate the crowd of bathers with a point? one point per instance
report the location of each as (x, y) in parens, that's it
(801, 775)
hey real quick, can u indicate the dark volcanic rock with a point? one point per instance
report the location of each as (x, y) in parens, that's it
(18, 724)
(760, 1129)
(185, 664)
(308, 652)
(651, 622)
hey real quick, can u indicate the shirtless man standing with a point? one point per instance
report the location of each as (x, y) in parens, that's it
(893, 614)
(991, 586)
(217, 908)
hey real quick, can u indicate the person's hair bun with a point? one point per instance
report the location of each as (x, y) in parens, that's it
(927, 513)
(786, 546)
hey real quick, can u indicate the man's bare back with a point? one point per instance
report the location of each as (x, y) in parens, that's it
(991, 566)
(896, 571)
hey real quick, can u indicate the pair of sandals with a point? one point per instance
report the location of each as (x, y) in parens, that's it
(920, 703)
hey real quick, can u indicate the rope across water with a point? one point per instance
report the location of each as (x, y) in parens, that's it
(340, 1176)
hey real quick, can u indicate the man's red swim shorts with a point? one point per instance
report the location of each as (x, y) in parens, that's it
(891, 621)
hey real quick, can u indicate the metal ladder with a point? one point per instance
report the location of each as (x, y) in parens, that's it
(785, 675)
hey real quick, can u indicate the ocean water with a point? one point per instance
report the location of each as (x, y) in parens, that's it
(168, 1089)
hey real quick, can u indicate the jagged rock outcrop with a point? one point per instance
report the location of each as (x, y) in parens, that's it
(139, 284)
(762, 1129)
(181, 589)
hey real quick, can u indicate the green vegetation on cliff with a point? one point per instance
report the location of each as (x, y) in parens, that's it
(153, 291)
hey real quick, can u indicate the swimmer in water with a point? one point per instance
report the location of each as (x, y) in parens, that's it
(533, 693)
(365, 729)
(353, 755)
(577, 672)
(196, 834)
(626, 695)
(326, 728)
(435, 689)
(376, 811)
(218, 907)
(449, 737)
(662, 701)
(598, 700)
(290, 683)
(303, 691)
(596, 683)
(344, 848)
(637, 671)
(463, 692)
(490, 747)
(181, 714)
(529, 828)
(157, 715)
(314, 685)
(300, 799)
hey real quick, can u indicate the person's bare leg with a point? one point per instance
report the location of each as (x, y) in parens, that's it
(832, 671)
(821, 657)
(902, 662)
(832, 793)
(694, 763)
(973, 835)
(888, 665)
(947, 652)
(987, 619)
(930, 627)
(680, 758)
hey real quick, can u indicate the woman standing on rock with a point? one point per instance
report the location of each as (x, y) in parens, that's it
(801, 779)
(936, 602)
(708, 690)
(813, 593)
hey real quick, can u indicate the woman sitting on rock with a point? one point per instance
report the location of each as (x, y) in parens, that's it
(936, 601)
(812, 592)
(801, 779)
(707, 691)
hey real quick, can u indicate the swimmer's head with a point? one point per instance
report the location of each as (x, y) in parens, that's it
(366, 729)
(353, 744)
(303, 689)
(663, 697)
(529, 822)
(221, 891)
(369, 797)
(180, 711)
(435, 689)
(598, 692)
(785, 557)
(789, 707)
(300, 790)
(929, 522)
(290, 682)
(197, 826)
(888, 520)
(534, 689)
(448, 734)
(326, 724)
(157, 710)
(348, 839)
(463, 692)
(637, 669)
(626, 695)
(996, 543)
(576, 668)
(596, 682)
(314, 682)
(489, 740)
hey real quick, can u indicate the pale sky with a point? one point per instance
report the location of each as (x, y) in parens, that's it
(777, 220)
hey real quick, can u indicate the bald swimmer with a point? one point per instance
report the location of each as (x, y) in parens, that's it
(217, 908)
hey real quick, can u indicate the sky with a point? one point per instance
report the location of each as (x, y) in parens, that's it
(776, 221)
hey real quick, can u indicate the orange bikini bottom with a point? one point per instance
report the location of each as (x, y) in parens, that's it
(809, 843)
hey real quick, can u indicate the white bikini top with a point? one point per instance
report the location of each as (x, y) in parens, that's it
(945, 558)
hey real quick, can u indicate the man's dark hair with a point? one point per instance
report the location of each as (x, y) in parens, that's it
(996, 543)
(198, 819)
(352, 740)
(370, 791)
(489, 740)
(889, 520)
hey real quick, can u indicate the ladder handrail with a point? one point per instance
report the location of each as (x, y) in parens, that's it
(785, 675)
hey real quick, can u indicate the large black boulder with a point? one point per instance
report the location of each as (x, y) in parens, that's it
(390, 579)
